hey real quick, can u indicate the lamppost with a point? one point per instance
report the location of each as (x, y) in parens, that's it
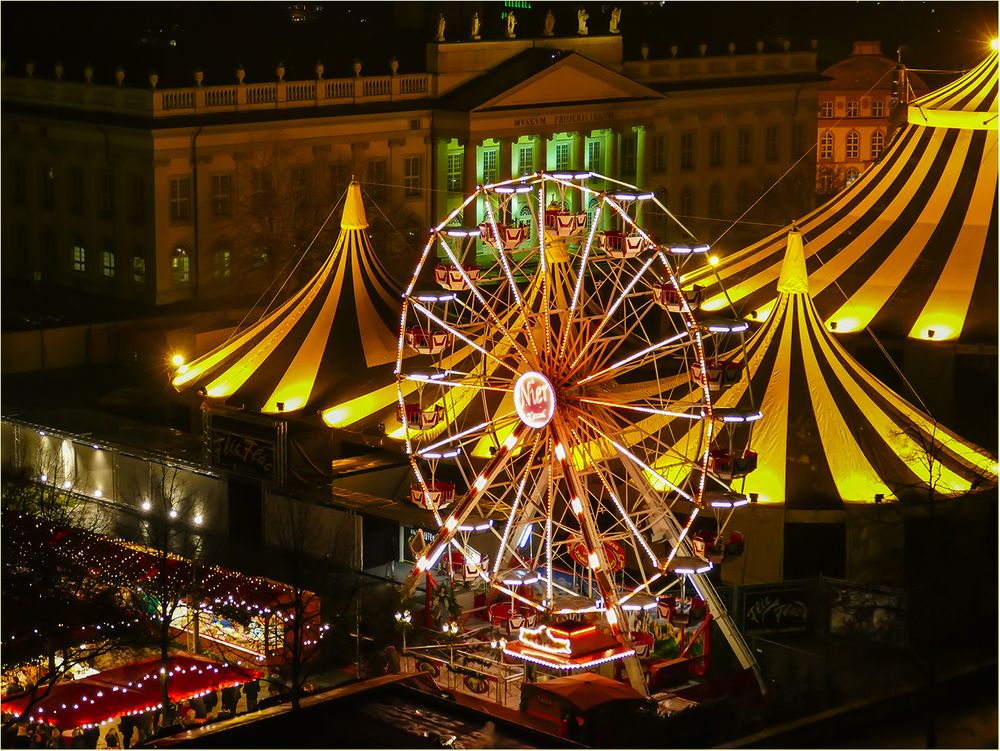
(403, 624)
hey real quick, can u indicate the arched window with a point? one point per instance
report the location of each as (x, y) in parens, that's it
(852, 145)
(878, 143)
(850, 176)
(826, 145)
(715, 201)
(180, 266)
(687, 200)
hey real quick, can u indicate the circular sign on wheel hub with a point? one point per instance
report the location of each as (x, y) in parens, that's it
(534, 399)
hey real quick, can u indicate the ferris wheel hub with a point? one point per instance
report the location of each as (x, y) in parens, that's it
(534, 399)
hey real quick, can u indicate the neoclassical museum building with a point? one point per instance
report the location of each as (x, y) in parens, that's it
(119, 186)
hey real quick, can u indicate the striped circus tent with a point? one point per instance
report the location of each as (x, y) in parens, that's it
(910, 248)
(338, 331)
(831, 432)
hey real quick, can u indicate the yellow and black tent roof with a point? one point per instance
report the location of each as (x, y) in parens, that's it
(340, 328)
(910, 248)
(831, 432)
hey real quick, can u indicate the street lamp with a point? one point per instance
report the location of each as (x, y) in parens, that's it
(403, 623)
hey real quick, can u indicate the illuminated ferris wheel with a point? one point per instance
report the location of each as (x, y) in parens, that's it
(556, 392)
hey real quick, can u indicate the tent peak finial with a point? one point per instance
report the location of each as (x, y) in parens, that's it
(794, 279)
(354, 210)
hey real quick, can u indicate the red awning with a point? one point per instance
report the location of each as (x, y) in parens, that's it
(129, 690)
(587, 690)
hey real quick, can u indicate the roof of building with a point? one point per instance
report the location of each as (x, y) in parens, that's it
(865, 72)
(831, 432)
(339, 329)
(909, 248)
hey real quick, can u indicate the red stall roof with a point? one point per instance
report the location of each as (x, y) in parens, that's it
(129, 690)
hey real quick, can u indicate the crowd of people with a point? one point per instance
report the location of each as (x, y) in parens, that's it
(132, 730)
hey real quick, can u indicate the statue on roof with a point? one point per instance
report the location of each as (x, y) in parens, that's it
(616, 17)
(441, 24)
(550, 24)
(511, 23)
(474, 33)
(581, 21)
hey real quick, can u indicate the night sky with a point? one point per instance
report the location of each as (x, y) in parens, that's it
(218, 36)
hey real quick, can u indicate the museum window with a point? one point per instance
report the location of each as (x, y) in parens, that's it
(687, 201)
(490, 172)
(852, 145)
(687, 151)
(79, 257)
(180, 199)
(853, 108)
(658, 154)
(628, 155)
(180, 266)
(377, 186)
(411, 175)
(878, 108)
(301, 182)
(76, 190)
(826, 108)
(594, 155)
(715, 147)
(797, 140)
(746, 145)
(878, 143)
(47, 187)
(562, 155)
(850, 176)
(525, 159)
(454, 171)
(771, 143)
(222, 195)
(138, 269)
(826, 145)
(715, 201)
(222, 267)
(340, 176)
(108, 263)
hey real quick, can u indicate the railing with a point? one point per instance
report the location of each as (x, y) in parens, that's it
(212, 99)
(727, 66)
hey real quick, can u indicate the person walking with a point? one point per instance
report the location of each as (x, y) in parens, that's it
(126, 726)
(252, 690)
(211, 701)
(230, 698)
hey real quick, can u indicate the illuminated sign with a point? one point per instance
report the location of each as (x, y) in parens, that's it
(534, 399)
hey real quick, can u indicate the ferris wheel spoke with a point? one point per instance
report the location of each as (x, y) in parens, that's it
(661, 348)
(462, 509)
(485, 306)
(456, 333)
(580, 274)
(610, 312)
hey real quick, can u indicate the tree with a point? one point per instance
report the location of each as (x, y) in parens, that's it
(173, 582)
(277, 233)
(57, 617)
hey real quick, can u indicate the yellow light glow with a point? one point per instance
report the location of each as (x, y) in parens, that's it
(762, 313)
(177, 360)
(714, 304)
(938, 326)
(995, 44)
(714, 260)
(218, 391)
(845, 325)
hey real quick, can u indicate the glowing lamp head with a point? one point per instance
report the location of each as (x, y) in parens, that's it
(714, 260)
(995, 44)
(534, 399)
(177, 360)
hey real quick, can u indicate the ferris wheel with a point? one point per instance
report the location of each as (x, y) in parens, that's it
(556, 399)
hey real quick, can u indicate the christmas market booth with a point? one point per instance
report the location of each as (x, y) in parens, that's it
(240, 618)
(102, 697)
